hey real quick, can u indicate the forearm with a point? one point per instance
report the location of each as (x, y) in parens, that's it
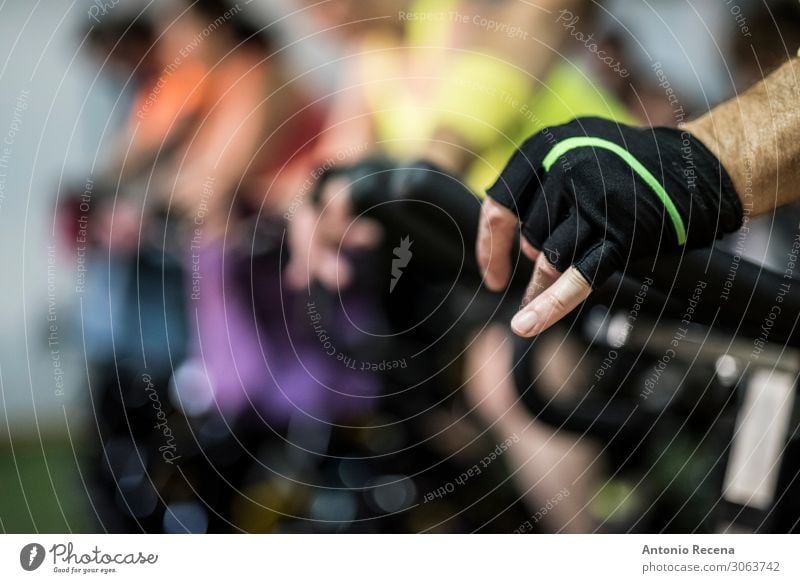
(756, 136)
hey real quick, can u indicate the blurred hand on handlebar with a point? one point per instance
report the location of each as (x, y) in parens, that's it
(321, 231)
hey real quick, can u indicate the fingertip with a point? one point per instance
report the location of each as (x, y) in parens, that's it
(525, 323)
(558, 300)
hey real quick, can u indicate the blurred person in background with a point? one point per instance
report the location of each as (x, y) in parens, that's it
(205, 336)
(138, 329)
(187, 248)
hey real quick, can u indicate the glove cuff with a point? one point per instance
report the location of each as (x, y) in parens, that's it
(714, 200)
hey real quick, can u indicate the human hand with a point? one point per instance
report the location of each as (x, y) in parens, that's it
(588, 197)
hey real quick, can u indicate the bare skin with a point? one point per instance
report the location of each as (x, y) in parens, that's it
(756, 136)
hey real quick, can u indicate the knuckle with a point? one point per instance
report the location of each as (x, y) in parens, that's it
(577, 280)
(556, 303)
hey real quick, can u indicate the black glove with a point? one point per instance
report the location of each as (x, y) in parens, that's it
(597, 194)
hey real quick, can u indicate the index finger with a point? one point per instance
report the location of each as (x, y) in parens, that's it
(497, 231)
(552, 304)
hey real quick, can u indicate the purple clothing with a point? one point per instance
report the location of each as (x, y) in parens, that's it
(270, 355)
